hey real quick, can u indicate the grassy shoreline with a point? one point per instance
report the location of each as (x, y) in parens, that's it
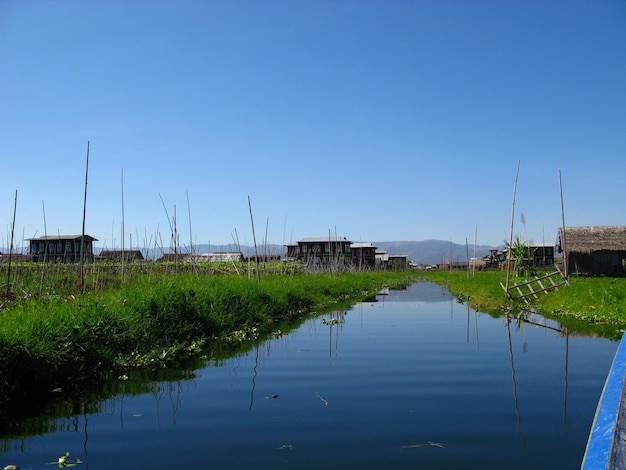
(48, 345)
(594, 304)
(51, 344)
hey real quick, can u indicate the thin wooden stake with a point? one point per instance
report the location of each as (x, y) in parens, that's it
(82, 238)
(11, 247)
(563, 242)
(267, 223)
(190, 231)
(467, 257)
(123, 234)
(45, 250)
(508, 264)
(256, 255)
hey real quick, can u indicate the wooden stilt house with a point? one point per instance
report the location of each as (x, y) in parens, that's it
(62, 248)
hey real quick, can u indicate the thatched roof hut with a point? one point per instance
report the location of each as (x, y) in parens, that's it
(594, 250)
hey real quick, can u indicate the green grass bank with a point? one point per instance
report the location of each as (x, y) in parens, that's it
(593, 304)
(49, 345)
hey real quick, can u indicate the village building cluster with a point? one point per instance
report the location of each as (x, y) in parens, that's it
(314, 252)
(592, 250)
(335, 250)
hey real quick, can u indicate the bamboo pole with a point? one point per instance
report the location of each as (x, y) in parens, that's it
(330, 260)
(467, 257)
(256, 255)
(123, 233)
(475, 241)
(175, 238)
(11, 247)
(82, 237)
(45, 250)
(508, 264)
(172, 232)
(563, 242)
(265, 247)
(193, 261)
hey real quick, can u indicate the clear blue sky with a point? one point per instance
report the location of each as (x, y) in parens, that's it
(376, 120)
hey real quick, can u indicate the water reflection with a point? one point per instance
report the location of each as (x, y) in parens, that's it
(254, 370)
(409, 379)
(517, 411)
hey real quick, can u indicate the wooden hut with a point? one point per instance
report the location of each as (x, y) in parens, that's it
(398, 262)
(599, 250)
(318, 251)
(363, 255)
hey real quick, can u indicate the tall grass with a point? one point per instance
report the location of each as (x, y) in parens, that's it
(586, 302)
(49, 343)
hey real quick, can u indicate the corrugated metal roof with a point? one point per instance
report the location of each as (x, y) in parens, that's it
(63, 237)
(362, 245)
(332, 239)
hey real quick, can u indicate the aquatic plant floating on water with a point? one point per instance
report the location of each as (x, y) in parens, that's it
(427, 444)
(65, 462)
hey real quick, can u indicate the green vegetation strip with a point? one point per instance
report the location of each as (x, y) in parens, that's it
(594, 304)
(47, 345)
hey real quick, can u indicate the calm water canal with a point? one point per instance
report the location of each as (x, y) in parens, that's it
(413, 380)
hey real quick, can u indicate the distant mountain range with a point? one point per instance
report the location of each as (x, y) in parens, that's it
(422, 252)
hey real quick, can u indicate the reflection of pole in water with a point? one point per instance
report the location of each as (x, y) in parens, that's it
(122, 413)
(336, 320)
(566, 371)
(156, 401)
(256, 363)
(467, 335)
(452, 309)
(476, 324)
(175, 403)
(562, 331)
(519, 417)
(467, 329)
(86, 435)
